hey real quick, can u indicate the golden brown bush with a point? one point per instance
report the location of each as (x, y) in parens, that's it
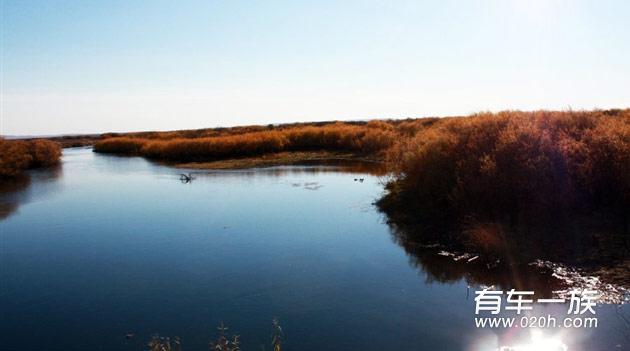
(516, 185)
(511, 162)
(44, 153)
(14, 158)
(18, 155)
(364, 138)
(120, 145)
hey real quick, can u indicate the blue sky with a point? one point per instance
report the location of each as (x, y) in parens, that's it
(96, 66)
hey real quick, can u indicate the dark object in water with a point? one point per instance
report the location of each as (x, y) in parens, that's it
(186, 178)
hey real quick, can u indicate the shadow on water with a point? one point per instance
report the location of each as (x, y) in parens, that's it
(552, 259)
(444, 266)
(9, 194)
(20, 190)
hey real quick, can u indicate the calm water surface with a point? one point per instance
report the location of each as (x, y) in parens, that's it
(106, 246)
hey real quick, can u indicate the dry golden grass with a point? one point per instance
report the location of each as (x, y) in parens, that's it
(369, 138)
(17, 156)
(511, 161)
(552, 184)
(275, 159)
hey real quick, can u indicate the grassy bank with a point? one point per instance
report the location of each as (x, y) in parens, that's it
(367, 139)
(278, 159)
(18, 156)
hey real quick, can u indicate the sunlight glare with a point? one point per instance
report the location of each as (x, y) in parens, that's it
(539, 342)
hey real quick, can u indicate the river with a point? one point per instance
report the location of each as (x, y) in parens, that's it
(105, 251)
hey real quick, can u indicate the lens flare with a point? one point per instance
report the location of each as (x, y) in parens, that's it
(539, 342)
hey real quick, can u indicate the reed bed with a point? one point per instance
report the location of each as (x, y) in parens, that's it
(556, 184)
(368, 138)
(511, 161)
(16, 156)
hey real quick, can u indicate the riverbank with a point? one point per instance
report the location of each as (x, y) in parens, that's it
(518, 187)
(280, 159)
(370, 139)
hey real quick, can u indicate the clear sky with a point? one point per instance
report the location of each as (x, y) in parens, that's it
(96, 66)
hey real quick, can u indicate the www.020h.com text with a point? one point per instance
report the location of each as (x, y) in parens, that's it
(536, 322)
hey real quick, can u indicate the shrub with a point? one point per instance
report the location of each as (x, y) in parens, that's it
(44, 153)
(14, 157)
(120, 145)
(516, 185)
(512, 163)
(18, 155)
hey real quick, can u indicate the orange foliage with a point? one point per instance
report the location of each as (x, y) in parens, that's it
(14, 158)
(44, 153)
(120, 145)
(17, 156)
(512, 162)
(366, 138)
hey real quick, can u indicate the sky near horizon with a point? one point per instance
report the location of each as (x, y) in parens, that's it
(98, 66)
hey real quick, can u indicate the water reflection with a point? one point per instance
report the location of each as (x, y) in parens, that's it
(309, 168)
(444, 266)
(347, 166)
(358, 169)
(514, 264)
(17, 191)
(8, 190)
(38, 183)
